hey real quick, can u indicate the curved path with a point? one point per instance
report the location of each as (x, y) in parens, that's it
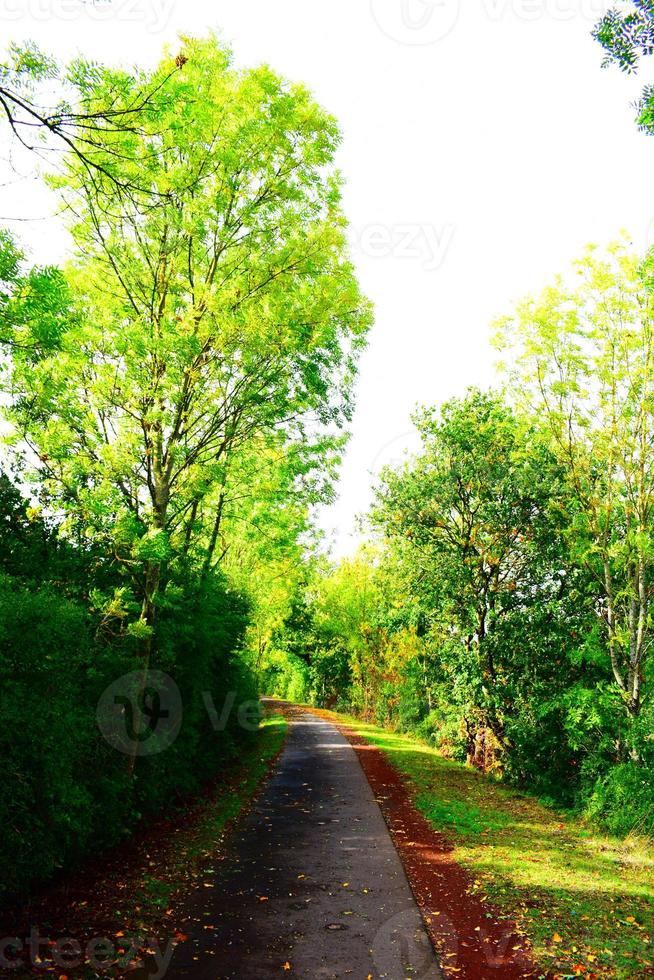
(312, 885)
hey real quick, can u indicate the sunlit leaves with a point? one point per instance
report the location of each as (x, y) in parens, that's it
(581, 358)
(204, 325)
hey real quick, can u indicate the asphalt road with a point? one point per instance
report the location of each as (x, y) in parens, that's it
(312, 885)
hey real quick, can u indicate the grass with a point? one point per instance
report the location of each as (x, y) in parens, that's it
(586, 901)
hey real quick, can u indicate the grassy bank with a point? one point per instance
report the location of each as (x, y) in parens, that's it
(586, 901)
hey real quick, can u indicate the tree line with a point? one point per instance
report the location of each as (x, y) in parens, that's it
(502, 608)
(175, 400)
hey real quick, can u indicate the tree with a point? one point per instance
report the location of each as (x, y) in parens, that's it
(470, 519)
(345, 604)
(627, 34)
(35, 305)
(47, 114)
(227, 313)
(582, 360)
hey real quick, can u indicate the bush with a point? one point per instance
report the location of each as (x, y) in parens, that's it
(45, 650)
(71, 791)
(622, 801)
(285, 675)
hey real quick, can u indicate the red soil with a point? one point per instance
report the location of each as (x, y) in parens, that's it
(472, 940)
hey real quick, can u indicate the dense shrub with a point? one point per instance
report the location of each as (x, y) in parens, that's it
(70, 791)
(285, 675)
(46, 814)
(622, 800)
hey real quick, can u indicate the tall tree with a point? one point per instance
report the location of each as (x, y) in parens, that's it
(228, 311)
(470, 520)
(582, 359)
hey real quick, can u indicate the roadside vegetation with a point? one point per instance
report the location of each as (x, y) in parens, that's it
(502, 607)
(174, 401)
(584, 900)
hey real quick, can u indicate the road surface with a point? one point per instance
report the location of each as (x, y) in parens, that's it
(312, 885)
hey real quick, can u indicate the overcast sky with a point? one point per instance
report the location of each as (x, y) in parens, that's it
(484, 146)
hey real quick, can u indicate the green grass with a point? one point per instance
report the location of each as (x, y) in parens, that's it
(586, 901)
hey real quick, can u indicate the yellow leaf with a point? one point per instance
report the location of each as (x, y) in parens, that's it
(556, 938)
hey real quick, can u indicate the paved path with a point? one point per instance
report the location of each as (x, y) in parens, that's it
(312, 880)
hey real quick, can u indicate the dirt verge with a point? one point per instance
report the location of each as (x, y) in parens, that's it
(473, 940)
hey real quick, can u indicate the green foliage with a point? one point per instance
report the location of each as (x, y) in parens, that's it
(627, 34)
(480, 622)
(192, 339)
(176, 401)
(284, 675)
(622, 800)
(72, 792)
(472, 525)
(45, 731)
(580, 358)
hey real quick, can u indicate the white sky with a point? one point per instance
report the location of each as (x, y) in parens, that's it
(484, 146)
